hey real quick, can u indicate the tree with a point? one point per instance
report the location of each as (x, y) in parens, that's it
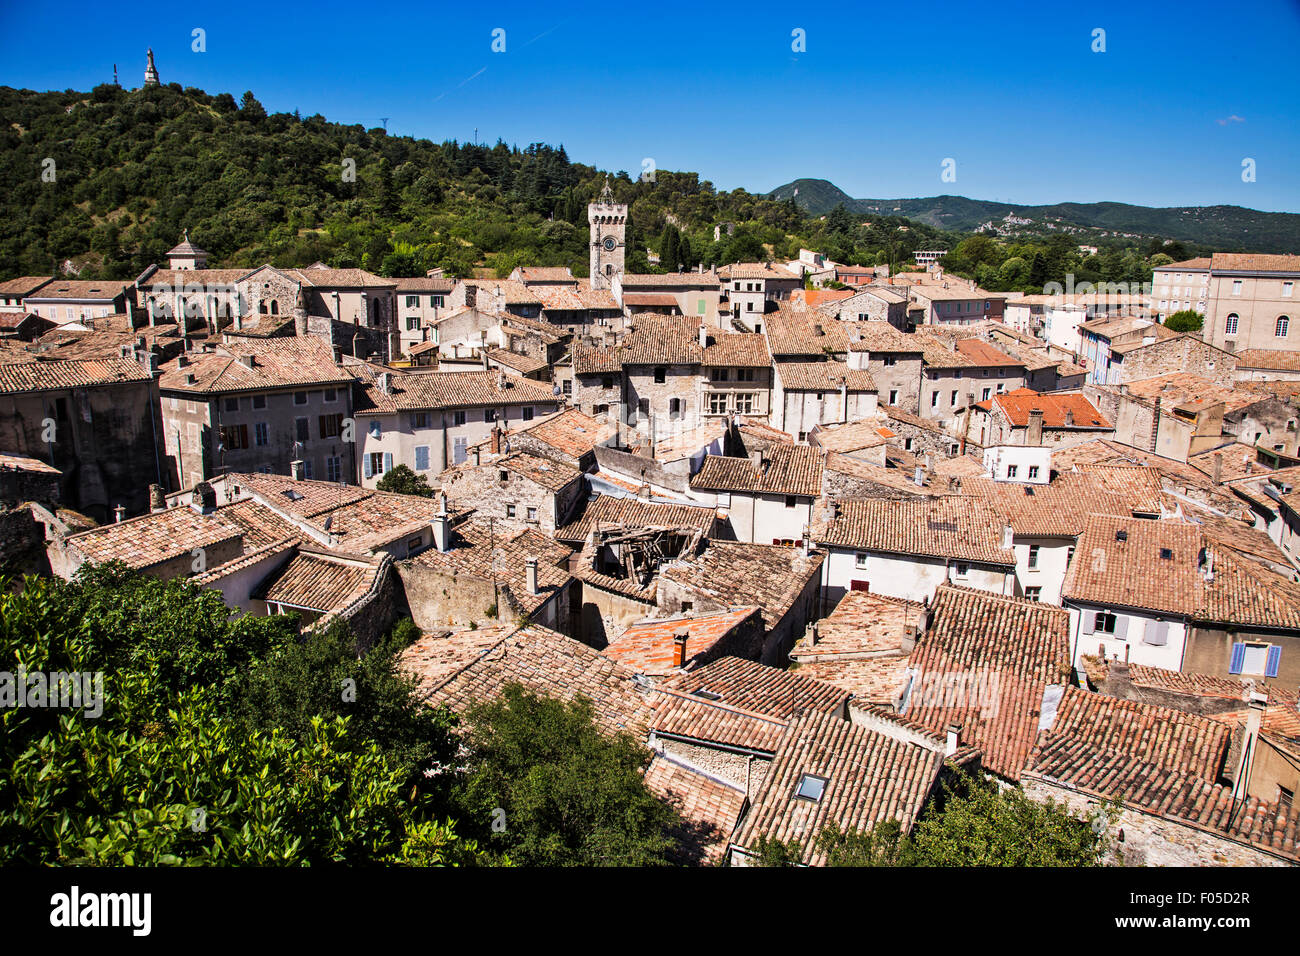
(548, 788)
(403, 481)
(1185, 320)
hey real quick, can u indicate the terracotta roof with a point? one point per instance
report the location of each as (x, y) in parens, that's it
(785, 470)
(984, 664)
(882, 338)
(607, 510)
(648, 647)
(22, 286)
(24, 463)
(737, 350)
(661, 340)
(823, 377)
(317, 582)
(709, 808)
(93, 289)
(982, 353)
(595, 360)
(435, 390)
(550, 474)
(804, 333)
(755, 270)
(671, 280)
(525, 364)
(570, 432)
(650, 298)
(13, 320)
(1062, 506)
(735, 574)
(1273, 359)
(438, 656)
(1018, 403)
(862, 646)
(951, 527)
(551, 665)
(1253, 262)
(324, 277)
(40, 376)
(1192, 392)
(1192, 264)
(546, 274)
(424, 284)
(277, 363)
(852, 436)
(1198, 685)
(868, 778)
(752, 688)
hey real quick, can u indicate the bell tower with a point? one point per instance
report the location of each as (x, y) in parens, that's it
(608, 221)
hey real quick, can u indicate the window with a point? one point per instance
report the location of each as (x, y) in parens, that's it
(890, 360)
(1236, 287)
(1258, 659)
(953, 400)
(963, 570)
(1104, 622)
(374, 464)
(607, 382)
(1230, 324)
(419, 419)
(718, 374)
(458, 418)
(412, 301)
(1033, 594)
(1285, 797)
(234, 437)
(306, 469)
(489, 414)
(532, 514)
(459, 451)
(412, 323)
(331, 425)
(421, 457)
(893, 396)
(568, 386)
(791, 501)
(331, 395)
(986, 394)
(510, 511)
(260, 433)
(811, 787)
(436, 301)
(232, 404)
(674, 409)
(300, 429)
(744, 375)
(1033, 472)
(333, 468)
(745, 402)
(300, 398)
(934, 399)
(1011, 470)
(1280, 329)
(1033, 556)
(661, 375)
(860, 561)
(1286, 289)
(259, 401)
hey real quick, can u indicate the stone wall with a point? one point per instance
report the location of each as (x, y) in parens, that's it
(22, 543)
(1184, 354)
(745, 772)
(482, 489)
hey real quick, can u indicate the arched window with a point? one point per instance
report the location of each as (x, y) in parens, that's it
(275, 306)
(261, 306)
(1230, 326)
(1282, 323)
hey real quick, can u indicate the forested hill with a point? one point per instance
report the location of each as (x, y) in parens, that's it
(131, 169)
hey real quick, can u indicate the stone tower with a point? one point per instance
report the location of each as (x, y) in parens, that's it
(608, 221)
(151, 71)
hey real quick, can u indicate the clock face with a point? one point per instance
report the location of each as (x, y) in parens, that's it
(610, 243)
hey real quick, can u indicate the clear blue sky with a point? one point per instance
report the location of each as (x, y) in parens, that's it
(1011, 91)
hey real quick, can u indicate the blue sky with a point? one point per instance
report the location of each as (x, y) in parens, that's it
(1012, 92)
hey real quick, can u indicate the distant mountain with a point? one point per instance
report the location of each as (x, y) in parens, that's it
(1223, 227)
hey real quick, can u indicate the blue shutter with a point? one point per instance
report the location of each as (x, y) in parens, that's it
(388, 461)
(1274, 658)
(421, 457)
(369, 472)
(1238, 658)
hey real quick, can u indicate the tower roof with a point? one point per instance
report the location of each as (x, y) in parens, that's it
(186, 248)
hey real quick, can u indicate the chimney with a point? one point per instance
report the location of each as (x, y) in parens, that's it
(812, 634)
(704, 336)
(496, 440)
(1008, 536)
(1218, 467)
(203, 499)
(474, 456)
(530, 570)
(441, 524)
(756, 457)
(844, 399)
(953, 741)
(679, 647)
(1069, 416)
(385, 380)
(119, 513)
(157, 500)
(1254, 720)
(297, 469)
(189, 378)
(182, 360)
(248, 361)
(835, 509)
(1034, 434)
(919, 477)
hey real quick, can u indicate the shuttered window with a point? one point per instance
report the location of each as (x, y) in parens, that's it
(421, 457)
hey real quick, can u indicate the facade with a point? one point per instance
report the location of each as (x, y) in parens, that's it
(1180, 287)
(768, 498)
(79, 300)
(1251, 302)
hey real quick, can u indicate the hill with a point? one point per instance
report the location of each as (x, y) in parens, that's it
(1223, 227)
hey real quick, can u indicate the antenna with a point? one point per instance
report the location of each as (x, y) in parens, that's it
(384, 120)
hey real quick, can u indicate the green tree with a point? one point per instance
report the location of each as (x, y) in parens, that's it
(403, 481)
(1185, 320)
(548, 788)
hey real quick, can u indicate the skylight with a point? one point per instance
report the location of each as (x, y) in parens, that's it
(811, 787)
(292, 495)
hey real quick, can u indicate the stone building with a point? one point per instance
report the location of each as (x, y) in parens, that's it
(520, 488)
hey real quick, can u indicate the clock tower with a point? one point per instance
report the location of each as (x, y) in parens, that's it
(608, 221)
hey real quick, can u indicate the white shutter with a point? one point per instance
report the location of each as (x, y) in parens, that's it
(1121, 627)
(1087, 619)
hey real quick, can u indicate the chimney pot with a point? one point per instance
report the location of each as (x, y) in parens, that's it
(297, 469)
(679, 647)
(954, 740)
(530, 566)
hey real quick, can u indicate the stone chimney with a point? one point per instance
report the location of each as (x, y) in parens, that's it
(954, 740)
(530, 571)
(496, 440)
(441, 525)
(1034, 434)
(297, 469)
(157, 500)
(919, 477)
(1069, 416)
(1218, 467)
(1008, 536)
(1254, 721)
(679, 646)
(204, 498)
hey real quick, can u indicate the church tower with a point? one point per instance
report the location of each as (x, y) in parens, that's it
(151, 71)
(608, 221)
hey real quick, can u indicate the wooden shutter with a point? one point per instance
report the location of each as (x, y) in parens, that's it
(1274, 659)
(243, 436)
(324, 428)
(1238, 658)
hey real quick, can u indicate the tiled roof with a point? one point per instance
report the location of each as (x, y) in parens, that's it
(852, 436)
(322, 277)
(709, 808)
(950, 527)
(881, 338)
(1192, 264)
(982, 354)
(648, 647)
(1253, 262)
(823, 377)
(570, 432)
(39, 375)
(785, 470)
(317, 582)
(595, 360)
(735, 574)
(1062, 506)
(607, 511)
(10, 462)
(546, 274)
(434, 390)
(737, 350)
(277, 363)
(1192, 392)
(1275, 359)
(438, 656)
(10, 321)
(671, 280)
(22, 286)
(551, 665)
(308, 498)
(755, 270)
(662, 340)
(869, 778)
(690, 717)
(417, 284)
(525, 364)
(1198, 685)
(80, 289)
(804, 333)
(1017, 405)
(550, 474)
(862, 646)
(756, 689)
(984, 664)
(764, 431)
